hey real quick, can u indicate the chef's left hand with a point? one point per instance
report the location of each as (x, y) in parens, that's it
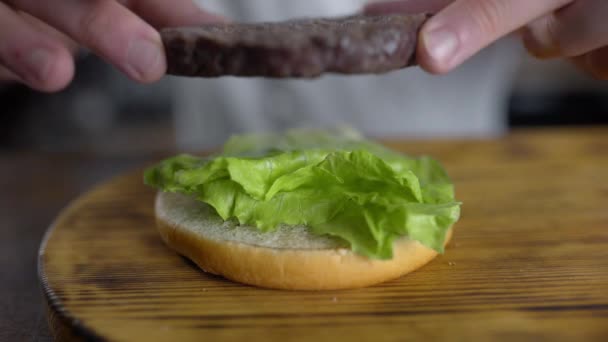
(572, 29)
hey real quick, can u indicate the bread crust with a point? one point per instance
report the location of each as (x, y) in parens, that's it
(290, 269)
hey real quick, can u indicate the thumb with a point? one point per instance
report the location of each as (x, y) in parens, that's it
(466, 26)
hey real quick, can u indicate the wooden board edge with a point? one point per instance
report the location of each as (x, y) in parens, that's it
(63, 326)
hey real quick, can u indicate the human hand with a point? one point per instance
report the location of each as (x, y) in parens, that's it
(38, 38)
(572, 29)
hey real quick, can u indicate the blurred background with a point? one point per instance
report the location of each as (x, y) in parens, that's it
(104, 112)
(500, 89)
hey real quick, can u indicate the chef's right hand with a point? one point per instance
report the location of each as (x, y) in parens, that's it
(39, 37)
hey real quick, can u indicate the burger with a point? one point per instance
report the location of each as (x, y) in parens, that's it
(305, 210)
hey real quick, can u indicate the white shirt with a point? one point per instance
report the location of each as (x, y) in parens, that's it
(470, 101)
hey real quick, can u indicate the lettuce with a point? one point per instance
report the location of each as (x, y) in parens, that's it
(334, 183)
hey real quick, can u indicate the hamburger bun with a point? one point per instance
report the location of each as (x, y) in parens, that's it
(290, 258)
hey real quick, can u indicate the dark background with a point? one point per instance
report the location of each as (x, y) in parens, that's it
(103, 112)
(54, 147)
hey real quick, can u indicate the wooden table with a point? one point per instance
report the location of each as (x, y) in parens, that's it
(529, 260)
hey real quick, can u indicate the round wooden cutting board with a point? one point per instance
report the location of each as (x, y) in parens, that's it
(529, 260)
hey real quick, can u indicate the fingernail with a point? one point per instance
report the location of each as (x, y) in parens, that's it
(144, 57)
(537, 40)
(38, 63)
(442, 45)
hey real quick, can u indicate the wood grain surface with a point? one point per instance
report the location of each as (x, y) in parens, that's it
(528, 261)
(34, 187)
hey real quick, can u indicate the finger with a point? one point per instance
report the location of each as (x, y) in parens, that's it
(406, 6)
(7, 75)
(42, 27)
(569, 32)
(163, 13)
(538, 37)
(36, 59)
(595, 63)
(107, 28)
(466, 26)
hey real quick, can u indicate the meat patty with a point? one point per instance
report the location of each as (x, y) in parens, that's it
(296, 48)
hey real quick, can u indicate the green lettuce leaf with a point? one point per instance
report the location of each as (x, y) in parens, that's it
(333, 182)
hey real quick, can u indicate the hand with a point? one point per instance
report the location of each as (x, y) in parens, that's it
(573, 29)
(39, 37)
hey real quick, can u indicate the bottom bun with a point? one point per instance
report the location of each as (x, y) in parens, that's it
(290, 258)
